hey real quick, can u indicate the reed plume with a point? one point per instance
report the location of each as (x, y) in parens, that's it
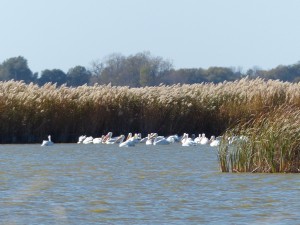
(29, 112)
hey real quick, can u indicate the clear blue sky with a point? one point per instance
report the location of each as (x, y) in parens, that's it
(191, 33)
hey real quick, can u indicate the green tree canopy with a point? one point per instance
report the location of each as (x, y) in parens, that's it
(219, 74)
(78, 76)
(53, 76)
(184, 76)
(16, 68)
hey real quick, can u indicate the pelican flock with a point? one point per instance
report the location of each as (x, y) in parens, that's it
(151, 139)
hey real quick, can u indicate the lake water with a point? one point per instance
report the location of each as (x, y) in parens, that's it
(105, 184)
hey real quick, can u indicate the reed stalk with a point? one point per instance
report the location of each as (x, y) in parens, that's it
(28, 113)
(271, 143)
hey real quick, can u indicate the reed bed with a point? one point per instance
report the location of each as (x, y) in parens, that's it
(28, 113)
(268, 143)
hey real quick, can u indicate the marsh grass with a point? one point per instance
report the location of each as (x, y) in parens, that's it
(28, 113)
(271, 143)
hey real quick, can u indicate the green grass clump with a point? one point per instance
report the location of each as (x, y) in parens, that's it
(269, 143)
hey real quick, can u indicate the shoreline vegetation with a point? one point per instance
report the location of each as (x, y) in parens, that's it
(267, 143)
(265, 111)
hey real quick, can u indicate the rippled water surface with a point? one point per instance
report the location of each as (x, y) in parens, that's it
(105, 184)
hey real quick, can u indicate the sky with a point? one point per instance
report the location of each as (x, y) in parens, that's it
(61, 34)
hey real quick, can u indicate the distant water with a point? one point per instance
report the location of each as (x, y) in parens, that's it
(105, 184)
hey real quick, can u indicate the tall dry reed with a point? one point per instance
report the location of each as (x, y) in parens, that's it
(29, 112)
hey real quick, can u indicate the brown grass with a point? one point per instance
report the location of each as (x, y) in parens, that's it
(28, 113)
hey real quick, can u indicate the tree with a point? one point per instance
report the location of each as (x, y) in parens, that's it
(137, 70)
(77, 76)
(289, 73)
(16, 68)
(146, 77)
(53, 76)
(183, 76)
(114, 66)
(219, 74)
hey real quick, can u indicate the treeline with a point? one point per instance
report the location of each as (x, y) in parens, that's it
(139, 70)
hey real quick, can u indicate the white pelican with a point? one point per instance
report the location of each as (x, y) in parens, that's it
(137, 137)
(119, 139)
(88, 140)
(214, 142)
(237, 139)
(173, 138)
(115, 140)
(109, 139)
(198, 139)
(186, 141)
(98, 140)
(160, 140)
(106, 139)
(47, 142)
(204, 140)
(129, 136)
(81, 139)
(150, 138)
(143, 140)
(128, 143)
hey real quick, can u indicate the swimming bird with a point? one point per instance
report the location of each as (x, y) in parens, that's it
(173, 138)
(198, 139)
(214, 142)
(150, 138)
(137, 138)
(47, 142)
(110, 139)
(98, 140)
(143, 140)
(161, 140)
(128, 142)
(237, 139)
(81, 139)
(186, 141)
(119, 139)
(204, 140)
(106, 138)
(88, 140)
